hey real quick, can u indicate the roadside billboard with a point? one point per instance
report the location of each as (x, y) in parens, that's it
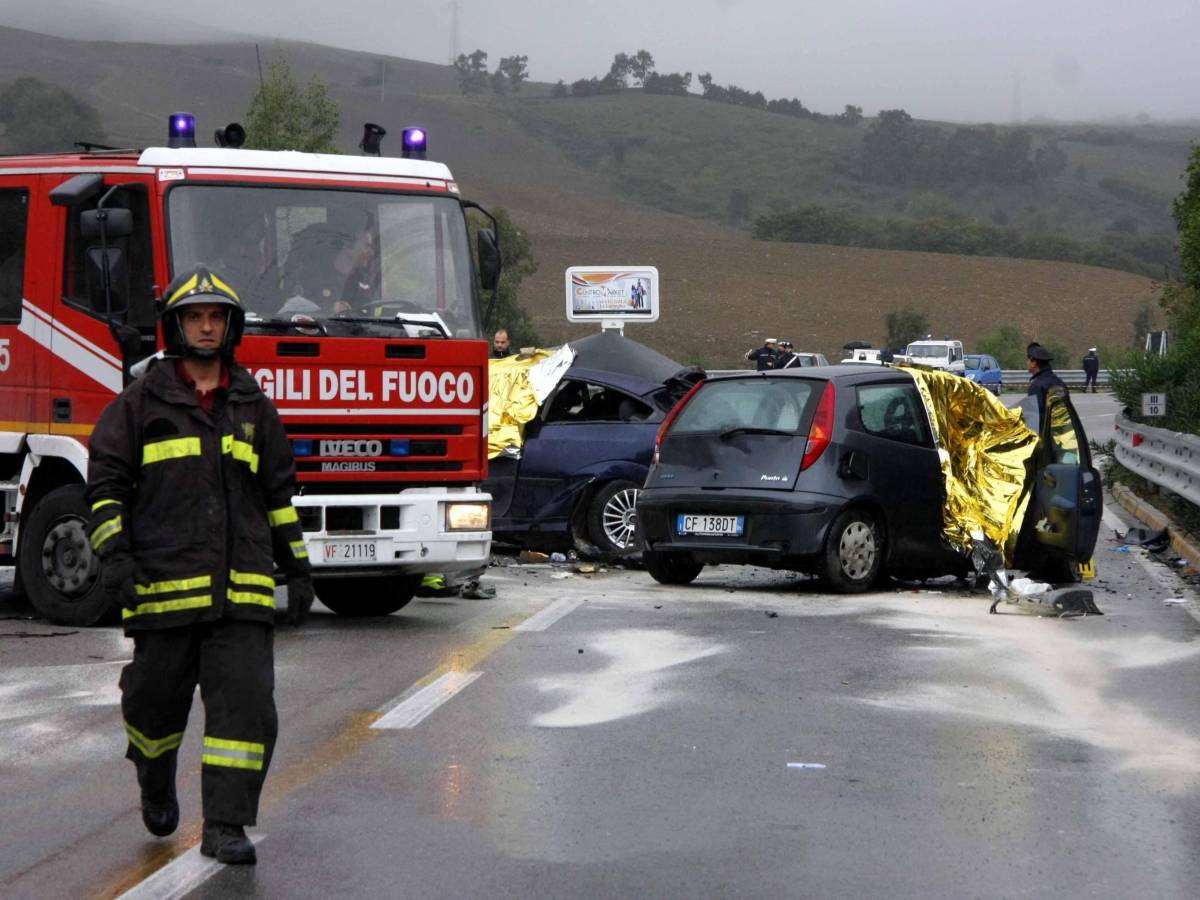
(612, 294)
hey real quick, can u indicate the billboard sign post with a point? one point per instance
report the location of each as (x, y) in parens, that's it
(612, 295)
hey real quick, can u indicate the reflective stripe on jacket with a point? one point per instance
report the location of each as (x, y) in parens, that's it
(202, 501)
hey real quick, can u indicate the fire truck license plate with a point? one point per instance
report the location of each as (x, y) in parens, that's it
(349, 551)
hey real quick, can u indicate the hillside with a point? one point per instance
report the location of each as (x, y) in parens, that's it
(552, 163)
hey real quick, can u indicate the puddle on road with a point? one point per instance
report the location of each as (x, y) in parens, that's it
(636, 679)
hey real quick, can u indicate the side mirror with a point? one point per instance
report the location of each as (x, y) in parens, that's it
(118, 223)
(490, 259)
(118, 279)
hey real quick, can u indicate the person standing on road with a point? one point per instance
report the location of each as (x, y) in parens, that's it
(500, 345)
(1042, 376)
(763, 357)
(786, 359)
(190, 483)
(1091, 369)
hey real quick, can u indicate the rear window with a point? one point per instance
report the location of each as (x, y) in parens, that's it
(773, 403)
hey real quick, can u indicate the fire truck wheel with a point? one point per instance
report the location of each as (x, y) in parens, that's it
(60, 574)
(612, 518)
(379, 595)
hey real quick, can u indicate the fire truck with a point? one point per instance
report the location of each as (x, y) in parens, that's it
(364, 325)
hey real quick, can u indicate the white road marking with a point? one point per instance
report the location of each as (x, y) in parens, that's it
(543, 619)
(179, 877)
(412, 710)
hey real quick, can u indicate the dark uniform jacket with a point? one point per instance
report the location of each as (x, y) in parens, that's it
(1091, 365)
(202, 501)
(763, 358)
(1042, 382)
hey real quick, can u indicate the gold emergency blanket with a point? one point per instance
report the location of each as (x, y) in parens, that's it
(511, 400)
(985, 451)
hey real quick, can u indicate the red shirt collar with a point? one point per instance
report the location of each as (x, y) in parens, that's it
(204, 398)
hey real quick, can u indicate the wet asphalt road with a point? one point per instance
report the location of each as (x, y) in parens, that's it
(602, 735)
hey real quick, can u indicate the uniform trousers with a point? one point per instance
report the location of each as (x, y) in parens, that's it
(233, 663)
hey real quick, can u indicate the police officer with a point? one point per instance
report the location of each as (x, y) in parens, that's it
(190, 482)
(1041, 375)
(1091, 369)
(763, 357)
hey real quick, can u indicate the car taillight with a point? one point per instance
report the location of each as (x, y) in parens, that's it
(820, 432)
(675, 410)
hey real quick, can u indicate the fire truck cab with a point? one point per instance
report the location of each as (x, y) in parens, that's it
(363, 325)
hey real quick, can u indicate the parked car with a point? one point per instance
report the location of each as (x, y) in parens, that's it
(586, 454)
(984, 370)
(835, 471)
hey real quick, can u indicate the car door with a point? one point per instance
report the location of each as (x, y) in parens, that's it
(1067, 496)
(894, 455)
(583, 424)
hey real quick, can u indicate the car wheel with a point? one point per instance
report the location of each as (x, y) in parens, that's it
(59, 572)
(671, 568)
(379, 595)
(612, 517)
(853, 553)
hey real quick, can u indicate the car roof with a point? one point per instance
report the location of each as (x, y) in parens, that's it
(610, 352)
(631, 384)
(838, 372)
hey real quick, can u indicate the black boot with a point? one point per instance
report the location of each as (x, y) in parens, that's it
(228, 843)
(160, 806)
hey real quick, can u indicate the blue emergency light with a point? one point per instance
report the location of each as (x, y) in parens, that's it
(302, 448)
(399, 448)
(414, 142)
(181, 132)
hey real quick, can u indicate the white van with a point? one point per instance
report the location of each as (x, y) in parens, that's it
(946, 355)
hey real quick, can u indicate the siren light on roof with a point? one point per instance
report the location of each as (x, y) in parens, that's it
(181, 132)
(414, 143)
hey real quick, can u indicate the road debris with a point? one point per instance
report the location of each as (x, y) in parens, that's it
(804, 765)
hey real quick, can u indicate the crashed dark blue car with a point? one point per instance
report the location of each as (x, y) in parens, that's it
(587, 452)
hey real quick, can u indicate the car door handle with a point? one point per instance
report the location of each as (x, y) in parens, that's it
(1049, 480)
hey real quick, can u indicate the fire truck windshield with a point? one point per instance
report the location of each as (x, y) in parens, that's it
(363, 262)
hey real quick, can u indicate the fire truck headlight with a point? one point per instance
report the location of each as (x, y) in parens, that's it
(467, 517)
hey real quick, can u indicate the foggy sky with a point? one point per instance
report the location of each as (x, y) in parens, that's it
(959, 60)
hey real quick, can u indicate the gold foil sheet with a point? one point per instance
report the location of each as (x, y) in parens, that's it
(511, 400)
(986, 454)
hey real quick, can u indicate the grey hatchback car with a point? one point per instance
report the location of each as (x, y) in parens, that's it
(835, 471)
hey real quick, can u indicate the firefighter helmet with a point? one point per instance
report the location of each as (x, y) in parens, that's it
(199, 284)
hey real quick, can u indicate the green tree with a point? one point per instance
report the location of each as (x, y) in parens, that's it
(507, 311)
(1186, 210)
(904, 326)
(618, 72)
(472, 72)
(284, 117)
(641, 64)
(514, 69)
(499, 83)
(1006, 344)
(1143, 324)
(39, 117)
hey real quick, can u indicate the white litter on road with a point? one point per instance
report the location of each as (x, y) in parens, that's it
(800, 765)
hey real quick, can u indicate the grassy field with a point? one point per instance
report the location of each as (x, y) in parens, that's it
(553, 163)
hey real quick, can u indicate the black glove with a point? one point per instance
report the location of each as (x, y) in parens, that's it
(300, 599)
(116, 574)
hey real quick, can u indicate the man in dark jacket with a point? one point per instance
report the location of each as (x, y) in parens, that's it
(764, 357)
(190, 481)
(1042, 376)
(1091, 369)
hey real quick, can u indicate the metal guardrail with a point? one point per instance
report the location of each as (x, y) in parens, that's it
(1070, 377)
(1170, 459)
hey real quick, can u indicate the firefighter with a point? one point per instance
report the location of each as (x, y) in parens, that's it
(190, 483)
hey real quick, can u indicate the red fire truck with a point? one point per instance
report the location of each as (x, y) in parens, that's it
(363, 325)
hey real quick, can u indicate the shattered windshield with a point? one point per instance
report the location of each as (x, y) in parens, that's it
(359, 261)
